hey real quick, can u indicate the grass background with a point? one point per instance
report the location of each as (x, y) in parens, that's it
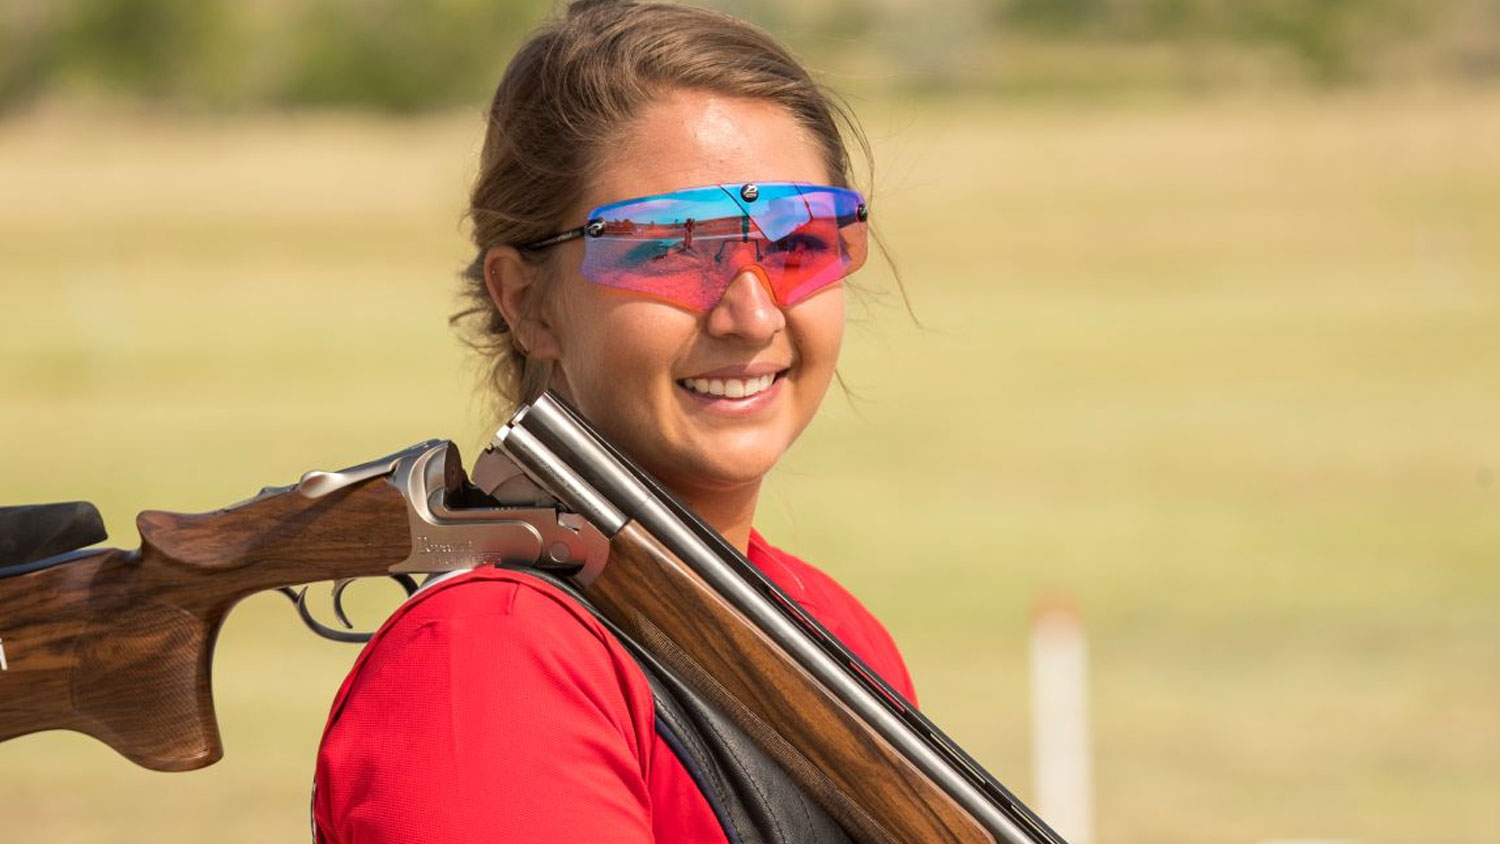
(1224, 371)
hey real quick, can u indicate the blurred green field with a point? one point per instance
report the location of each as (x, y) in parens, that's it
(1224, 371)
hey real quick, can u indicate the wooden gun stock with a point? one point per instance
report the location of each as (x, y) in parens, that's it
(119, 644)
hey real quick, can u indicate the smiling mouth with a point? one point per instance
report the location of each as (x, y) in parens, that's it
(732, 388)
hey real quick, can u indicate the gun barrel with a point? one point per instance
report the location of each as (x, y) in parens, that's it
(552, 428)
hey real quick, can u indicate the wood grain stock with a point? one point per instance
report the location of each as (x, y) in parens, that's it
(853, 773)
(119, 644)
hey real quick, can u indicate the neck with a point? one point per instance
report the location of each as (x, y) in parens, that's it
(730, 512)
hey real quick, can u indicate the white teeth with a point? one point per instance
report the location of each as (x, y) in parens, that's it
(734, 388)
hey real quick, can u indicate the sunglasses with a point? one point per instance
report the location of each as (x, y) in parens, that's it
(686, 247)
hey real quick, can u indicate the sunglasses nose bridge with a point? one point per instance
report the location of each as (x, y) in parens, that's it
(732, 260)
(759, 278)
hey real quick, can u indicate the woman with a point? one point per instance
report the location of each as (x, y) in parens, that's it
(623, 140)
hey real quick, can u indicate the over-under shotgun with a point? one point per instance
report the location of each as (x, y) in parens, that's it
(119, 644)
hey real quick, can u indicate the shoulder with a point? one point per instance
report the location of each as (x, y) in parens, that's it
(465, 629)
(489, 591)
(537, 612)
(492, 677)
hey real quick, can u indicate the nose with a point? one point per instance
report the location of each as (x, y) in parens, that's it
(747, 310)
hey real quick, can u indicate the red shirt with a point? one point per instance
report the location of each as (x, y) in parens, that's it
(491, 707)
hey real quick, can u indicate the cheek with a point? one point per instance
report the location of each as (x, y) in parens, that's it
(611, 345)
(580, 325)
(819, 323)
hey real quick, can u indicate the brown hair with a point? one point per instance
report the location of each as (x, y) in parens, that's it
(567, 93)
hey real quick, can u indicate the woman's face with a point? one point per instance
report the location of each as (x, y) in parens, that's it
(636, 367)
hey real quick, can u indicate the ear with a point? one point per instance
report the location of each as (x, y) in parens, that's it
(513, 286)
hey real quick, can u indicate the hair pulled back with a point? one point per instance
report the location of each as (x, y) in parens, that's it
(568, 92)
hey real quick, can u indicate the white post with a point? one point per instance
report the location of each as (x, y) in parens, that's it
(1061, 752)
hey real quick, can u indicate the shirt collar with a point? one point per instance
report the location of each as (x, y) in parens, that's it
(772, 562)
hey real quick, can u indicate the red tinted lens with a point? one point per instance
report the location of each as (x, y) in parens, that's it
(818, 253)
(686, 247)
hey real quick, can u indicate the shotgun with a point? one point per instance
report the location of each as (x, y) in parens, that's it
(118, 644)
